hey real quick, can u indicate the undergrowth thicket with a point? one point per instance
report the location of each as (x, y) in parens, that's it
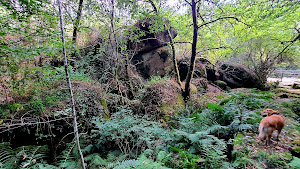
(210, 137)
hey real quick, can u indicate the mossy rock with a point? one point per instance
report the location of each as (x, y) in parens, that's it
(161, 99)
(221, 84)
(287, 95)
(296, 86)
(285, 90)
(193, 88)
(170, 110)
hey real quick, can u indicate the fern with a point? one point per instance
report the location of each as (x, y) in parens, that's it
(6, 155)
(69, 156)
(129, 133)
(22, 156)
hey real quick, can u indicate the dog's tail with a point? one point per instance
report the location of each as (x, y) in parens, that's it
(263, 130)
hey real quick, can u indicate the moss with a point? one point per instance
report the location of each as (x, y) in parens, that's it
(285, 90)
(106, 111)
(296, 86)
(221, 84)
(296, 149)
(193, 89)
(287, 95)
(103, 103)
(223, 102)
(169, 109)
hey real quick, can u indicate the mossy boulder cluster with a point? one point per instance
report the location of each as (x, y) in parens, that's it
(152, 54)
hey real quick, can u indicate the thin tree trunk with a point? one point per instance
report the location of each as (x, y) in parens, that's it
(174, 59)
(77, 21)
(172, 46)
(70, 85)
(186, 93)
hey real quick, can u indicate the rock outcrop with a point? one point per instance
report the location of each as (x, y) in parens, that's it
(155, 62)
(147, 38)
(153, 56)
(203, 69)
(237, 76)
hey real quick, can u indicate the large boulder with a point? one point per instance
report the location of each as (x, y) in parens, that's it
(155, 62)
(161, 99)
(237, 76)
(203, 69)
(148, 39)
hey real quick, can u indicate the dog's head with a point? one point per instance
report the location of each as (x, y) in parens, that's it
(269, 112)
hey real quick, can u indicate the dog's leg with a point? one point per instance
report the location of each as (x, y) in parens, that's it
(277, 139)
(268, 139)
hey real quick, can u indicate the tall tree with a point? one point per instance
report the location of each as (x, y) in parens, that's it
(77, 21)
(186, 92)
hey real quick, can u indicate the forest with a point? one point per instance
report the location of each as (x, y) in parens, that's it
(149, 84)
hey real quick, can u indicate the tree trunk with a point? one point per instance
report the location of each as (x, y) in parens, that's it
(77, 21)
(174, 59)
(70, 85)
(172, 46)
(186, 92)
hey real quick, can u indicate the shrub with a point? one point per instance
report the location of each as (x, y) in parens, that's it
(131, 134)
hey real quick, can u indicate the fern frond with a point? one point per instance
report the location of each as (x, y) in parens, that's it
(123, 164)
(244, 127)
(216, 128)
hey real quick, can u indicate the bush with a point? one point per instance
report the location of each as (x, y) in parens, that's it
(128, 133)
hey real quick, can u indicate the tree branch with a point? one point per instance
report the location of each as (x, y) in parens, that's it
(221, 47)
(226, 17)
(153, 5)
(188, 2)
(291, 43)
(183, 42)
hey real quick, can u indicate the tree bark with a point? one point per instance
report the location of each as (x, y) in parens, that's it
(186, 92)
(77, 21)
(70, 86)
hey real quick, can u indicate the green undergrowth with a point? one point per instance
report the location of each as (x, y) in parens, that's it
(192, 139)
(40, 92)
(250, 152)
(221, 134)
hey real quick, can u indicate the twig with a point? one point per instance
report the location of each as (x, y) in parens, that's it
(183, 42)
(221, 47)
(226, 17)
(24, 124)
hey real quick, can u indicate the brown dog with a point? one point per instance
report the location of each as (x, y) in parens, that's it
(269, 112)
(273, 121)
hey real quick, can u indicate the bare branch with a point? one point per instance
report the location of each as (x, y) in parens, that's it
(226, 17)
(221, 47)
(184, 42)
(28, 123)
(153, 5)
(291, 43)
(188, 2)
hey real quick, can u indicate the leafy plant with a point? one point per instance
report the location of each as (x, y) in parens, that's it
(21, 157)
(131, 134)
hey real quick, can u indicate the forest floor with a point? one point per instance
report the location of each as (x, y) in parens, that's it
(288, 146)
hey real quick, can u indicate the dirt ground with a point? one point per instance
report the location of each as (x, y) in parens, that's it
(285, 81)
